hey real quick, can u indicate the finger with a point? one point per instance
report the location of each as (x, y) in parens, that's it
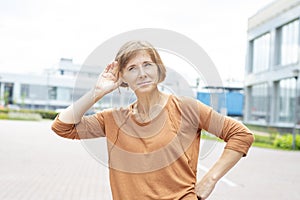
(105, 75)
(108, 68)
(114, 67)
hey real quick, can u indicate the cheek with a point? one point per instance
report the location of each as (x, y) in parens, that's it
(155, 74)
(127, 78)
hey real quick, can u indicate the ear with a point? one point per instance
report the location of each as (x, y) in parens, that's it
(124, 83)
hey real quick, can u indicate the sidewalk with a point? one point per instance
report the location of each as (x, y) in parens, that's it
(38, 165)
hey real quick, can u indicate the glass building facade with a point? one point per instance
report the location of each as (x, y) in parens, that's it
(261, 52)
(272, 67)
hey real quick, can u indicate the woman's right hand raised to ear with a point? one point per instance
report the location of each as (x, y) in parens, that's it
(108, 80)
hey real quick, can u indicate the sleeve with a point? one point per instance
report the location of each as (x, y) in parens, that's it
(89, 127)
(237, 136)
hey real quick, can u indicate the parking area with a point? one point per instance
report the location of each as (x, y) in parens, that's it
(37, 164)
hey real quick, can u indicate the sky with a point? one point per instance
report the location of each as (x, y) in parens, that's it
(35, 34)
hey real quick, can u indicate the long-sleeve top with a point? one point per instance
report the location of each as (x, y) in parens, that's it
(157, 159)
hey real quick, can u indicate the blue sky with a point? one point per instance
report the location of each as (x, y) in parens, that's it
(35, 34)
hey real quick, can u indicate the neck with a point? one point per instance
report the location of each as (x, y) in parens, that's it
(145, 102)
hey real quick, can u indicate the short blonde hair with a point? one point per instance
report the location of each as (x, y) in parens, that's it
(131, 48)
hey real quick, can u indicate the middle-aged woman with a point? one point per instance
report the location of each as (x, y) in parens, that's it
(153, 143)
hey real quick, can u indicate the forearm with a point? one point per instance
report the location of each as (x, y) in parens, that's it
(74, 113)
(227, 160)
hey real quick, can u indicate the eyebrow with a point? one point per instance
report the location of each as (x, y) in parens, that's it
(133, 65)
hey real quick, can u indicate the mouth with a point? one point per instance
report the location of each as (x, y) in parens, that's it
(144, 83)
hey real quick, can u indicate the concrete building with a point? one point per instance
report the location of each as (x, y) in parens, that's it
(52, 89)
(272, 67)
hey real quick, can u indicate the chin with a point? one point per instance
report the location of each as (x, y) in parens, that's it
(146, 88)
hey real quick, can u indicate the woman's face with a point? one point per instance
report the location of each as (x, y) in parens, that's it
(140, 73)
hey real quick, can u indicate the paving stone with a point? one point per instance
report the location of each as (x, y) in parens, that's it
(36, 164)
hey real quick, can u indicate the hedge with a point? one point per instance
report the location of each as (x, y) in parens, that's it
(45, 114)
(286, 141)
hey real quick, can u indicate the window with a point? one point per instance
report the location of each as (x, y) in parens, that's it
(52, 93)
(287, 93)
(261, 53)
(259, 102)
(37, 92)
(24, 91)
(288, 43)
(64, 94)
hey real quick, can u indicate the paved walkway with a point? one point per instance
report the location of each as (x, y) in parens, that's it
(35, 164)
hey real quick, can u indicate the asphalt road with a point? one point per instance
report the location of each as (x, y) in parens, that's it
(35, 163)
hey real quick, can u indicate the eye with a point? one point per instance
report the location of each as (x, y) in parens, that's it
(148, 64)
(130, 68)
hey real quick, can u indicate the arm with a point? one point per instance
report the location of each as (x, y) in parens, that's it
(74, 113)
(238, 138)
(88, 126)
(107, 82)
(227, 160)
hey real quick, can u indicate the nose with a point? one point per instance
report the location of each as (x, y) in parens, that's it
(142, 72)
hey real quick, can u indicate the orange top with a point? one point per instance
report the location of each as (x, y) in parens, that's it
(157, 159)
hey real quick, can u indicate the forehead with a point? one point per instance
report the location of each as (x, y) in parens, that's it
(139, 57)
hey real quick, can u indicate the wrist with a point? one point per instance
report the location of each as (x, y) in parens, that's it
(96, 94)
(212, 177)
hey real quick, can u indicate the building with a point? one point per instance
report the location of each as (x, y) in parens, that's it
(59, 86)
(227, 100)
(51, 90)
(272, 67)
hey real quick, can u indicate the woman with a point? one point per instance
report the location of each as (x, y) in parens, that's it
(153, 144)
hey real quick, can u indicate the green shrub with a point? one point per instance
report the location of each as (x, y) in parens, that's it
(24, 116)
(4, 110)
(264, 139)
(3, 115)
(47, 114)
(286, 141)
(24, 113)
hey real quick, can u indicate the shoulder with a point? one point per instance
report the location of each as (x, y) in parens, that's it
(186, 103)
(187, 106)
(190, 107)
(113, 113)
(110, 111)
